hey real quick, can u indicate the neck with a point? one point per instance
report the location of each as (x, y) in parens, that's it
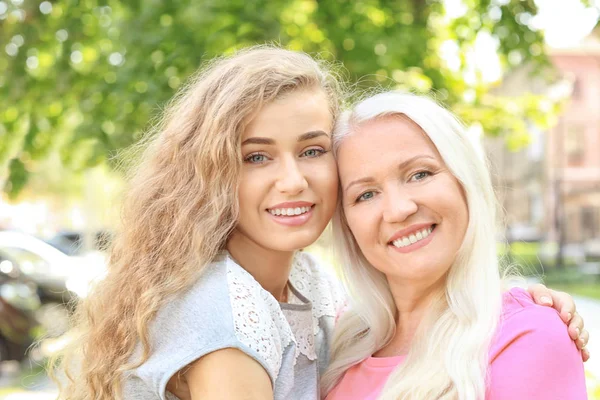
(412, 300)
(271, 268)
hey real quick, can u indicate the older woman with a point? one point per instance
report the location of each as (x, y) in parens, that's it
(416, 231)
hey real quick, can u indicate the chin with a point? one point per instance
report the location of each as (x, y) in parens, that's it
(293, 242)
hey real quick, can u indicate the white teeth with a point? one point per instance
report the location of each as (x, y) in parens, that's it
(412, 238)
(289, 211)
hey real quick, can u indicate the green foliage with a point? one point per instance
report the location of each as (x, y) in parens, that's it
(579, 288)
(85, 78)
(538, 259)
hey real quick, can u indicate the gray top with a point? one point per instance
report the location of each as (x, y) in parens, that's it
(227, 308)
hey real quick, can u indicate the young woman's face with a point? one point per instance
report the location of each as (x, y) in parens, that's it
(288, 188)
(407, 212)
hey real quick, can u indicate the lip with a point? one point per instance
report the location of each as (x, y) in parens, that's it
(416, 245)
(295, 220)
(411, 229)
(292, 204)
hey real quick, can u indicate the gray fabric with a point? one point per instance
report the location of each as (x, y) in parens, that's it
(201, 321)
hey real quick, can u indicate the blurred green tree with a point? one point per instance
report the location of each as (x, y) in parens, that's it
(84, 78)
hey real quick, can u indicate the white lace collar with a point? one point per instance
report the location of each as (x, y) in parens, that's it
(261, 324)
(309, 278)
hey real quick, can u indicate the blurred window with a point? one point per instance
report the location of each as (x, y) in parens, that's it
(68, 243)
(575, 145)
(589, 222)
(577, 89)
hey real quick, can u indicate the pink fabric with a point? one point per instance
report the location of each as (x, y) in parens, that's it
(532, 357)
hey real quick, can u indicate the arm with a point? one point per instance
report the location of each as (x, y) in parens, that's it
(224, 374)
(564, 304)
(534, 358)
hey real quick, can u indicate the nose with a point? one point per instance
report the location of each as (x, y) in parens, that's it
(398, 205)
(291, 178)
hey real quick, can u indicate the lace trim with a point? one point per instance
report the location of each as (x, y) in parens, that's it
(258, 321)
(320, 289)
(262, 325)
(301, 324)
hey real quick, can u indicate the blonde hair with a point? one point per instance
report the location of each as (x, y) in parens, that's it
(179, 211)
(448, 358)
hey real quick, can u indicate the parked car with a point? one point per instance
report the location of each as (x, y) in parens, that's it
(19, 301)
(58, 276)
(48, 267)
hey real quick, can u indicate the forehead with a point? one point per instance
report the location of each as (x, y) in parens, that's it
(296, 112)
(379, 142)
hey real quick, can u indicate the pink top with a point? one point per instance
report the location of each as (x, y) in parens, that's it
(532, 357)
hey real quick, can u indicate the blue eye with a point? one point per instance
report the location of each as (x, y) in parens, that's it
(311, 153)
(419, 176)
(365, 196)
(255, 158)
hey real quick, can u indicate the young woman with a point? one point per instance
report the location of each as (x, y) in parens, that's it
(208, 295)
(416, 230)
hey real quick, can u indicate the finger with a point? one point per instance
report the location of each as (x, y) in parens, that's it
(575, 326)
(564, 304)
(541, 294)
(583, 339)
(585, 354)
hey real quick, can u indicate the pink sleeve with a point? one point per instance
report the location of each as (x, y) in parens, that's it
(534, 358)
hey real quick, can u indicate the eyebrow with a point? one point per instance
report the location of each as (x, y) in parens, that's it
(311, 135)
(302, 138)
(258, 140)
(402, 165)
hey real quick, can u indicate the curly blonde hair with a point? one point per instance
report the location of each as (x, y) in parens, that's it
(180, 208)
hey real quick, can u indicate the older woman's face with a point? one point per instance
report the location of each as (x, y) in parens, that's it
(406, 210)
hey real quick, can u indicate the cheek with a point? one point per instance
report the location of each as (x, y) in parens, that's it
(463, 222)
(324, 181)
(243, 194)
(359, 225)
(453, 208)
(461, 211)
(249, 194)
(328, 181)
(330, 171)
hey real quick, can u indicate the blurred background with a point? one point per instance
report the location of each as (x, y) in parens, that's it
(81, 80)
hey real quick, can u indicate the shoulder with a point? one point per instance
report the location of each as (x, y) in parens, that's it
(201, 303)
(524, 320)
(318, 284)
(517, 302)
(224, 308)
(532, 355)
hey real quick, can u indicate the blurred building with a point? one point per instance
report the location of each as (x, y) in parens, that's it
(574, 144)
(551, 189)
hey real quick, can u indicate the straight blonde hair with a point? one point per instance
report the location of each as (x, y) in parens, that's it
(448, 358)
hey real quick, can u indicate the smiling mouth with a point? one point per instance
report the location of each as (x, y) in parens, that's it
(413, 237)
(289, 212)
